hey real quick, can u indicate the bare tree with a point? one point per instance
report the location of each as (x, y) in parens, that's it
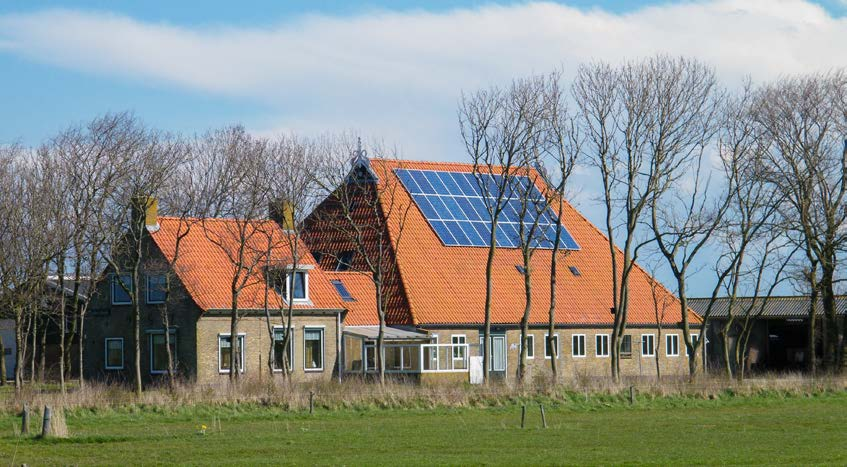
(89, 162)
(644, 121)
(805, 122)
(151, 157)
(236, 189)
(561, 146)
(293, 193)
(499, 126)
(364, 209)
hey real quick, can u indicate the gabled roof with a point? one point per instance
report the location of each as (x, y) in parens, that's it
(206, 271)
(446, 284)
(773, 307)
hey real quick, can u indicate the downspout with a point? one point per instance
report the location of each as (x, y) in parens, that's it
(339, 351)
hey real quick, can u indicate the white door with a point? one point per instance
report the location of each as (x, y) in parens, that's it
(498, 353)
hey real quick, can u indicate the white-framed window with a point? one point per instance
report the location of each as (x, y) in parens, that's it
(626, 346)
(224, 344)
(114, 347)
(295, 286)
(578, 345)
(648, 345)
(694, 338)
(672, 345)
(601, 345)
(547, 345)
(120, 296)
(158, 354)
(156, 287)
(280, 353)
(313, 349)
(530, 346)
(458, 349)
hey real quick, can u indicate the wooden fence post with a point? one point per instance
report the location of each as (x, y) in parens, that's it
(45, 424)
(543, 418)
(311, 402)
(631, 395)
(25, 420)
(523, 415)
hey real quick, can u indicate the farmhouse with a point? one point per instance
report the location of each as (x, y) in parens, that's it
(435, 308)
(199, 307)
(434, 300)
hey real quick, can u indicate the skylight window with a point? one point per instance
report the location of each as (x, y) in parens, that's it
(342, 291)
(520, 269)
(575, 270)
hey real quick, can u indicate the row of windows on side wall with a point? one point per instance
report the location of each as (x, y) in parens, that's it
(601, 345)
(121, 287)
(157, 353)
(313, 351)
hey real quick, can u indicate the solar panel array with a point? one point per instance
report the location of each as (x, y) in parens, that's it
(454, 204)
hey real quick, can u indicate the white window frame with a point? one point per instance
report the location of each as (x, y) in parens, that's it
(574, 338)
(558, 346)
(693, 336)
(289, 283)
(115, 282)
(241, 337)
(322, 330)
(150, 335)
(290, 350)
(668, 338)
(147, 289)
(530, 347)
(651, 348)
(597, 347)
(106, 353)
(457, 346)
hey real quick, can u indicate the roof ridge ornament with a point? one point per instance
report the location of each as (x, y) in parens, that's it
(361, 165)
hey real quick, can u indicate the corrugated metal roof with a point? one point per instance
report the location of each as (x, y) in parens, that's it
(371, 332)
(774, 307)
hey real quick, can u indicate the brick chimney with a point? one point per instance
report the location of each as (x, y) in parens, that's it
(282, 212)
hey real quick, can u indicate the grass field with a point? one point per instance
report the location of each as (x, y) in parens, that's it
(769, 430)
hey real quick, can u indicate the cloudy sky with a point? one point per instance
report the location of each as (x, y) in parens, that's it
(389, 69)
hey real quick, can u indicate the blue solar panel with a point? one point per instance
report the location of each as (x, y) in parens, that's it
(456, 208)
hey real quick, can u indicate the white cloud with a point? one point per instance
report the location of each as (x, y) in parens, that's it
(398, 75)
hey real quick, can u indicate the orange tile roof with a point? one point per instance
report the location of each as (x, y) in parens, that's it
(446, 284)
(362, 311)
(206, 271)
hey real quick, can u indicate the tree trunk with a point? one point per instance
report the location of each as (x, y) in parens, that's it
(725, 329)
(811, 360)
(525, 320)
(34, 334)
(19, 373)
(62, 323)
(81, 350)
(234, 351)
(136, 329)
(42, 358)
(380, 338)
(489, 290)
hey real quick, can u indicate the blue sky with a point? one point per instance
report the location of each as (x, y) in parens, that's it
(391, 70)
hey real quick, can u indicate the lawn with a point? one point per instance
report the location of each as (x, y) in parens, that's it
(730, 430)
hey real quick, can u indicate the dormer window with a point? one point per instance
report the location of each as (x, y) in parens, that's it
(291, 286)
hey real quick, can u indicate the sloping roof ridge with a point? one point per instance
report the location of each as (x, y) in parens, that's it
(214, 219)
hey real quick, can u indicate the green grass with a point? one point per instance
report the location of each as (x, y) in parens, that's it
(768, 429)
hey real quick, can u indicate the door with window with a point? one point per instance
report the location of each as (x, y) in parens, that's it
(497, 357)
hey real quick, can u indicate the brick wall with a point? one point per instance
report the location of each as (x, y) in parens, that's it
(590, 365)
(257, 343)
